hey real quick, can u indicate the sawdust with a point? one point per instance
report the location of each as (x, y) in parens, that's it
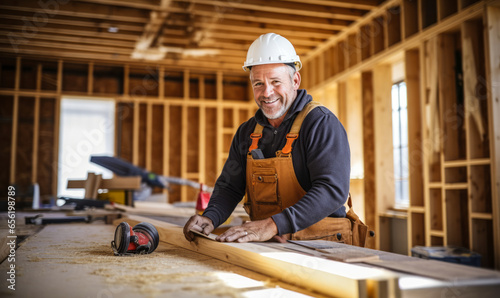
(35, 259)
(169, 271)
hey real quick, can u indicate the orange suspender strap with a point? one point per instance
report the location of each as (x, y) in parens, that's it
(255, 136)
(294, 131)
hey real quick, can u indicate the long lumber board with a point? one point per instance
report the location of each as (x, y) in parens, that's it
(324, 276)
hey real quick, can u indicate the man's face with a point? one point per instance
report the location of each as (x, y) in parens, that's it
(273, 88)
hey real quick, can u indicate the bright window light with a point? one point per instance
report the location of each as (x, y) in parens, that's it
(400, 144)
(86, 128)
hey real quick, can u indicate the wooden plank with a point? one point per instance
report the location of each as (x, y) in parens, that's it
(493, 74)
(439, 270)
(132, 182)
(331, 250)
(325, 276)
(90, 269)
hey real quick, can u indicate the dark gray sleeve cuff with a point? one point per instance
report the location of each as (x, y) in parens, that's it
(213, 217)
(282, 223)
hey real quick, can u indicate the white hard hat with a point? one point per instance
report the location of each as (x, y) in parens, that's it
(271, 48)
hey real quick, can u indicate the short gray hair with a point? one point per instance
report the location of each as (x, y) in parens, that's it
(291, 71)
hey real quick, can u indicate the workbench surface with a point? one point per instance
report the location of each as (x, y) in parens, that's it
(76, 260)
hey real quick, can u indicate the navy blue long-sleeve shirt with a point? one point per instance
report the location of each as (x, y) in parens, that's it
(321, 161)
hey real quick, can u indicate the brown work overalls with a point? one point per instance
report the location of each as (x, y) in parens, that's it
(272, 186)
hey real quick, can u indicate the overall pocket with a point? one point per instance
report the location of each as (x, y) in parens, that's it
(265, 187)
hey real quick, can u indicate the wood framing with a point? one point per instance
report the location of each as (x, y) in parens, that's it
(493, 74)
(415, 145)
(370, 198)
(384, 165)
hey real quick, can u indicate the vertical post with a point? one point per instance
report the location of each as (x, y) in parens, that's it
(184, 135)
(15, 118)
(126, 73)
(57, 121)
(166, 140)
(493, 79)
(149, 134)
(415, 146)
(220, 122)
(369, 151)
(36, 125)
(342, 97)
(135, 132)
(384, 164)
(202, 135)
(90, 79)
(161, 83)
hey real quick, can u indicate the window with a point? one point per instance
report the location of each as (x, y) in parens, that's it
(400, 144)
(87, 128)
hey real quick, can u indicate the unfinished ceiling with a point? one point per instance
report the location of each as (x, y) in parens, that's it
(205, 34)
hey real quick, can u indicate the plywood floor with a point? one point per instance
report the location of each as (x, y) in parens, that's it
(75, 260)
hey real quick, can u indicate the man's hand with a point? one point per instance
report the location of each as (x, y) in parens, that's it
(198, 223)
(260, 230)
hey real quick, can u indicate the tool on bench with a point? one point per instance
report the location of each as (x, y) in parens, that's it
(40, 220)
(124, 168)
(143, 238)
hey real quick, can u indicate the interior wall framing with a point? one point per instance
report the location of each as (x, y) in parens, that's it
(169, 122)
(454, 168)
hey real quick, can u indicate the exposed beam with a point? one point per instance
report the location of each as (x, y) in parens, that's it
(74, 33)
(112, 59)
(356, 4)
(249, 38)
(76, 23)
(255, 31)
(271, 18)
(143, 4)
(298, 9)
(77, 41)
(71, 47)
(78, 14)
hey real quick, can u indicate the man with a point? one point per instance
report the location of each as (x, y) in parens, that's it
(292, 159)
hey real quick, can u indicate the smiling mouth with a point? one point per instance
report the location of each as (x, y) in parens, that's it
(270, 101)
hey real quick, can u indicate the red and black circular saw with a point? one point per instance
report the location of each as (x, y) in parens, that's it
(143, 238)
